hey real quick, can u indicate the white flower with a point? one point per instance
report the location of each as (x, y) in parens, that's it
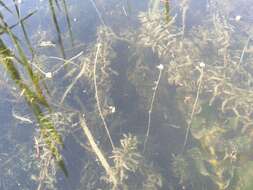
(48, 75)
(112, 109)
(202, 64)
(238, 18)
(160, 67)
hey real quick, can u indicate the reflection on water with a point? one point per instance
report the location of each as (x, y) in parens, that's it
(126, 94)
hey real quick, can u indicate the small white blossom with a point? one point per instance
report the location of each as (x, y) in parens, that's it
(160, 67)
(48, 75)
(238, 18)
(202, 64)
(112, 108)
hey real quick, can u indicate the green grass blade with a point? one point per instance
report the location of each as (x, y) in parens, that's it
(5, 6)
(57, 27)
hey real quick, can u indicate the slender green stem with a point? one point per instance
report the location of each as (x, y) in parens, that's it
(57, 27)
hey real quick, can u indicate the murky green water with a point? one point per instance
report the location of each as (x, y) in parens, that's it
(126, 94)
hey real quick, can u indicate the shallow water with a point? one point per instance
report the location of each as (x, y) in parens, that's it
(175, 75)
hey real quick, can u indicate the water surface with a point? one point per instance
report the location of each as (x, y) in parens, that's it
(165, 88)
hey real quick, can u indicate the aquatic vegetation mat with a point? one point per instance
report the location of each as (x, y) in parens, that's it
(165, 102)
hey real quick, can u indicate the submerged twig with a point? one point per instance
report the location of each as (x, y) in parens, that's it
(97, 151)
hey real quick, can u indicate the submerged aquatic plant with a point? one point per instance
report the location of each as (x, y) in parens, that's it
(126, 158)
(33, 93)
(209, 77)
(157, 34)
(207, 68)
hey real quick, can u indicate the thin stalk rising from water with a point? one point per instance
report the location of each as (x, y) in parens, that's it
(57, 27)
(160, 67)
(201, 69)
(97, 98)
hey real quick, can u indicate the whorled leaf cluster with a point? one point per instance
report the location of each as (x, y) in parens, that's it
(131, 169)
(103, 72)
(157, 34)
(210, 68)
(126, 158)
